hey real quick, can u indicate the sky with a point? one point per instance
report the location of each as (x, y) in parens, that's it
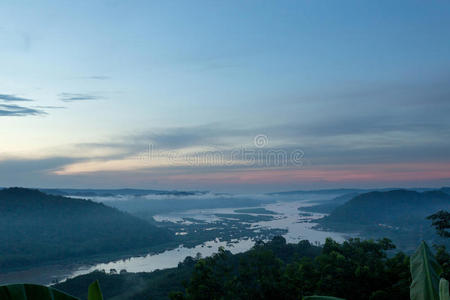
(225, 95)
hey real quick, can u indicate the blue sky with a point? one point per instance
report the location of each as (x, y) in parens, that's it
(361, 88)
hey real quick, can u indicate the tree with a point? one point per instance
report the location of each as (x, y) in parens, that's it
(441, 221)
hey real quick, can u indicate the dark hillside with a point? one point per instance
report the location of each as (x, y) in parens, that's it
(36, 228)
(399, 215)
(393, 207)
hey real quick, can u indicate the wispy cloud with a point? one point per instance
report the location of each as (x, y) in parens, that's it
(98, 77)
(92, 77)
(72, 97)
(13, 98)
(49, 107)
(14, 110)
(11, 110)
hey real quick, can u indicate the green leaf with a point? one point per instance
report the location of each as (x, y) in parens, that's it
(32, 292)
(443, 290)
(425, 271)
(321, 298)
(94, 292)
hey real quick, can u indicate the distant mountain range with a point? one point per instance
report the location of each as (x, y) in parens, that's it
(352, 191)
(325, 192)
(445, 190)
(36, 228)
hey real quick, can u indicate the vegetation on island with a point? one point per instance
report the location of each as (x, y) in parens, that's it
(228, 227)
(40, 292)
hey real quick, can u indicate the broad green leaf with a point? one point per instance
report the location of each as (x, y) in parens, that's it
(443, 290)
(94, 292)
(425, 271)
(321, 298)
(32, 292)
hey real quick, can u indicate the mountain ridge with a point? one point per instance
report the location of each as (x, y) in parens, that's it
(36, 227)
(399, 215)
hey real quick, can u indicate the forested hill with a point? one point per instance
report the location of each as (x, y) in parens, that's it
(394, 207)
(36, 228)
(400, 215)
(445, 190)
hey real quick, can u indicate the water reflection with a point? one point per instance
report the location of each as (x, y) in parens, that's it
(167, 259)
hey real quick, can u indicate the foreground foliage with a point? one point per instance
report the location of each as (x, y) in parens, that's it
(425, 272)
(39, 292)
